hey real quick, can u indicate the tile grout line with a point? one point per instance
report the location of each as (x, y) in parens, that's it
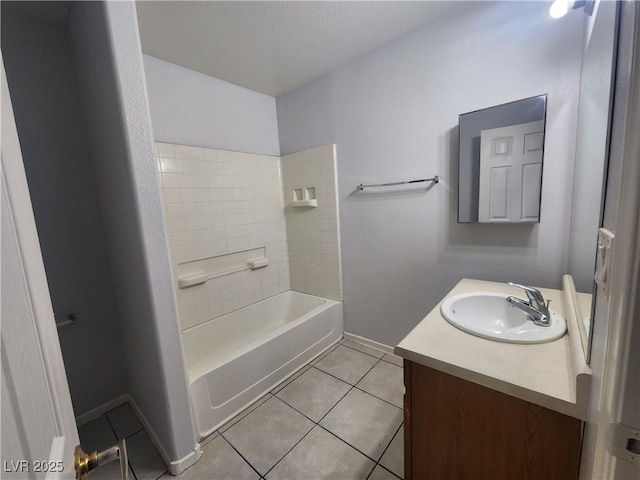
(356, 384)
(255, 405)
(129, 465)
(385, 469)
(352, 386)
(387, 448)
(241, 456)
(317, 424)
(281, 387)
(379, 358)
(294, 446)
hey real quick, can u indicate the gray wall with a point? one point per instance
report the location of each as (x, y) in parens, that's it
(393, 114)
(56, 157)
(108, 59)
(191, 108)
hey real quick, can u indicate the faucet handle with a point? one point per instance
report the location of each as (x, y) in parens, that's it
(533, 293)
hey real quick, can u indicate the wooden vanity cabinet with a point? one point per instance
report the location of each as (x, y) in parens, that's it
(456, 429)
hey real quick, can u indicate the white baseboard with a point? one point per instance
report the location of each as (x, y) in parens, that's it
(101, 410)
(175, 467)
(179, 466)
(366, 341)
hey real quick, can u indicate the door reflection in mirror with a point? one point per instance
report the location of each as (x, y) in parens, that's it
(500, 166)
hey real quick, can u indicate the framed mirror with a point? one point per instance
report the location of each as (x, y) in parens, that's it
(592, 148)
(500, 163)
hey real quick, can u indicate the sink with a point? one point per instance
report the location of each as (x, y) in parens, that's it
(488, 315)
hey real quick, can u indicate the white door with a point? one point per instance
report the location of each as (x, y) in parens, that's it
(39, 431)
(511, 173)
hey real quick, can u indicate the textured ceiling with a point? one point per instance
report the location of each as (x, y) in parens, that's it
(274, 47)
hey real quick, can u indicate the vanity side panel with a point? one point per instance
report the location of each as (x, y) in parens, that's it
(463, 430)
(408, 448)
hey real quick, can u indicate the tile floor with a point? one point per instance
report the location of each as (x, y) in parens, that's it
(340, 417)
(145, 463)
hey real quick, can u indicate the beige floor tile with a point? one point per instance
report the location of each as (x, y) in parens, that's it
(208, 438)
(110, 471)
(219, 461)
(347, 364)
(364, 348)
(244, 413)
(395, 359)
(265, 435)
(324, 354)
(393, 458)
(385, 381)
(314, 393)
(380, 473)
(364, 421)
(124, 421)
(144, 458)
(320, 455)
(290, 379)
(97, 434)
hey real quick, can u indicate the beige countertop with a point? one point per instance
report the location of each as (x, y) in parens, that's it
(553, 375)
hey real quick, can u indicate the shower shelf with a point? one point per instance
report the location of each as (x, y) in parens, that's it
(305, 203)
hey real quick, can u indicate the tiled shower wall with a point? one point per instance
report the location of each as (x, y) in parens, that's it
(313, 233)
(216, 202)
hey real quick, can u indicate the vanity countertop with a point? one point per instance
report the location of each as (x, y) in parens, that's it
(553, 375)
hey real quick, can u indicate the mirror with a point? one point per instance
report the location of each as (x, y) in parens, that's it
(594, 116)
(500, 165)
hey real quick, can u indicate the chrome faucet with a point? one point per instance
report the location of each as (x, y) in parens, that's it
(536, 307)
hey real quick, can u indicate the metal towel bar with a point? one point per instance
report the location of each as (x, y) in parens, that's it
(434, 180)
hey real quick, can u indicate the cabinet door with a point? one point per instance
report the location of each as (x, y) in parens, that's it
(460, 430)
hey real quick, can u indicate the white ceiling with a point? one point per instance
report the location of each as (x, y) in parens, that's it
(274, 47)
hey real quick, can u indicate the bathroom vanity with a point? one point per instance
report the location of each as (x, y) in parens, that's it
(477, 408)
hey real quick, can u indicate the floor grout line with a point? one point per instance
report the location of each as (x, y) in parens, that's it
(255, 405)
(294, 446)
(289, 381)
(379, 358)
(241, 456)
(355, 385)
(392, 439)
(129, 465)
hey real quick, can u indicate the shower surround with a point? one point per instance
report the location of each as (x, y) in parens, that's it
(218, 202)
(222, 210)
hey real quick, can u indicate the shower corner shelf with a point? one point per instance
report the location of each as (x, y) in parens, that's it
(305, 203)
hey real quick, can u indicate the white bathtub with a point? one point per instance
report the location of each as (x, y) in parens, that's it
(234, 359)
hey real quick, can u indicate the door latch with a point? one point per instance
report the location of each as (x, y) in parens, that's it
(623, 442)
(85, 463)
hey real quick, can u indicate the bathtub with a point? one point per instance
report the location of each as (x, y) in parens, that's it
(234, 359)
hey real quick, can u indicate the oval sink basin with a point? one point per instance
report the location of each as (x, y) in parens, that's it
(488, 315)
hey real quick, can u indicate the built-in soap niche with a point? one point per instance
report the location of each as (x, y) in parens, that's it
(304, 197)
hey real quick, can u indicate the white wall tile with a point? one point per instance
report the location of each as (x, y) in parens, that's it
(217, 202)
(314, 245)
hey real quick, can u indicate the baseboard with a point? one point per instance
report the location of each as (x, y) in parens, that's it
(101, 410)
(175, 467)
(179, 466)
(366, 341)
